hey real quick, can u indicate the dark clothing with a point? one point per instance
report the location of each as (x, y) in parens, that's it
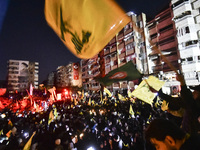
(190, 122)
(192, 112)
(192, 143)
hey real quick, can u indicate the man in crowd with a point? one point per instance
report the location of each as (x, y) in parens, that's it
(166, 135)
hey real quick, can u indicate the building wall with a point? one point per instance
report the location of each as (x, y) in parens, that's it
(68, 75)
(186, 18)
(21, 74)
(162, 32)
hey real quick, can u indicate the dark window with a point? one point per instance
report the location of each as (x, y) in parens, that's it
(187, 30)
(166, 28)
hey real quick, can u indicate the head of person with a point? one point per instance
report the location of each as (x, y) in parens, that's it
(164, 135)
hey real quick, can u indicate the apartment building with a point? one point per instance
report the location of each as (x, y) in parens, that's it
(68, 75)
(187, 23)
(162, 32)
(20, 74)
(90, 70)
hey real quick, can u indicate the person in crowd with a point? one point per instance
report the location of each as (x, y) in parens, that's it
(185, 106)
(166, 135)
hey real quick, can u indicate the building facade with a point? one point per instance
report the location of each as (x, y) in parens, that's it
(187, 22)
(162, 33)
(69, 75)
(20, 74)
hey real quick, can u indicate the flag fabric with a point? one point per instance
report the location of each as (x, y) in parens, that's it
(85, 26)
(28, 144)
(143, 92)
(107, 92)
(8, 134)
(127, 72)
(1, 132)
(51, 117)
(55, 113)
(2, 91)
(10, 123)
(89, 102)
(121, 97)
(131, 112)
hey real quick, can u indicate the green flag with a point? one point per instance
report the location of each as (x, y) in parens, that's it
(127, 72)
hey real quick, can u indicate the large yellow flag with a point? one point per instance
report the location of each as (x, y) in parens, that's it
(51, 117)
(28, 144)
(85, 26)
(144, 93)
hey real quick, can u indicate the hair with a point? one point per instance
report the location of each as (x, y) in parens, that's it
(160, 128)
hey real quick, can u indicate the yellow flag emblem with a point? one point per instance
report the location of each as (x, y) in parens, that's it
(85, 26)
(144, 93)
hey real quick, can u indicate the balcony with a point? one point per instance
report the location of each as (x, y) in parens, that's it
(130, 51)
(113, 49)
(192, 66)
(129, 41)
(121, 45)
(168, 45)
(163, 23)
(107, 51)
(166, 33)
(128, 31)
(182, 15)
(122, 63)
(120, 36)
(122, 55)
(113, 67)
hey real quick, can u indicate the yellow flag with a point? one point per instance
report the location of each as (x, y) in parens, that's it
(28, 144)
(108, 92)
(121, 97)
(131, 112)
(10, 123)
(85, 26)
(143, 92)
(55, 113)
(1, 132)
(51, 117)
(101, 97)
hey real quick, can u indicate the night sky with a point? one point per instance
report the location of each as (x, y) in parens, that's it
(25, 35)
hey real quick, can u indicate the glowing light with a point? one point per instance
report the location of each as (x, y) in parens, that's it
(81, 135)
(3, 115)
(90, 148)
(59, 96)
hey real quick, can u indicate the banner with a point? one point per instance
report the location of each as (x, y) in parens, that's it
(143, 92)
(127, 72)
(85, 26)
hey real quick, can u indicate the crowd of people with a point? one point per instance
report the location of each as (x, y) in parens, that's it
(107, 125)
